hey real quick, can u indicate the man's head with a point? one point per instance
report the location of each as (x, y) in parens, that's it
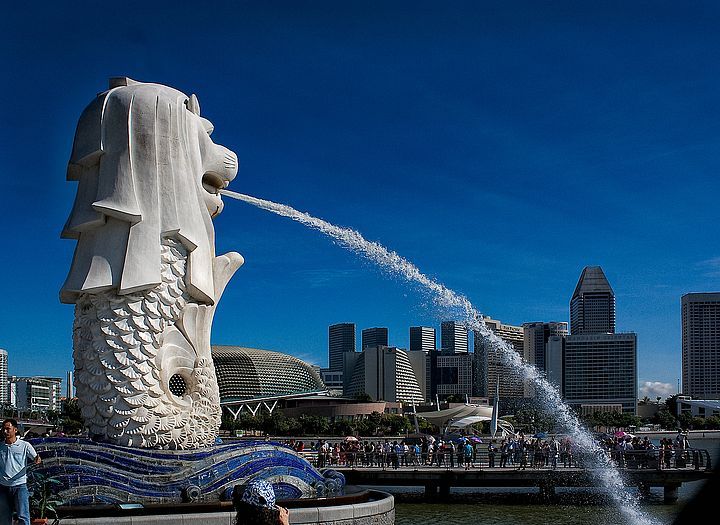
(10, 428)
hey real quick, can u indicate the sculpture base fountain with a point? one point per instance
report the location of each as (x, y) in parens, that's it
(145, 281)
(105, 483)
(360, 507)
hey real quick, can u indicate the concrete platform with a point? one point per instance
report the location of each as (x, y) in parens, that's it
(380, 510)
(438, 481)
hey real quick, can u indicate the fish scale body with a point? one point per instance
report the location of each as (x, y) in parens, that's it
(118, 350)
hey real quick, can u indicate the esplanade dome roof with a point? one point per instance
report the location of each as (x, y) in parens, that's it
(251, 373)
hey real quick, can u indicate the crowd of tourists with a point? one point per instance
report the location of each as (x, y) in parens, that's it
(519, 452)
(629, 451)
(461, 452)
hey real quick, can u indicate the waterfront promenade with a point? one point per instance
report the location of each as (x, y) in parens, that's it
(637, 470)
(438, 481)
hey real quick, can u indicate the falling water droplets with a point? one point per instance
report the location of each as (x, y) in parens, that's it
(447, 300)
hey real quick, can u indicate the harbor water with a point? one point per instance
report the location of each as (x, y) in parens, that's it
(514, 513)
(520, 506)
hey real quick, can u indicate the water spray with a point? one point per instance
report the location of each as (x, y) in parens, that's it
(446, 299)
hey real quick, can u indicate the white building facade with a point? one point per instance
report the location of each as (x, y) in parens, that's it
(35, 393)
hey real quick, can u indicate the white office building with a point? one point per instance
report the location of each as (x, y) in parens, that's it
(36, 393)
(385, 374)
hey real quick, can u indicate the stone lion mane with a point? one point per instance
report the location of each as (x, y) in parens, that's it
(136, 158)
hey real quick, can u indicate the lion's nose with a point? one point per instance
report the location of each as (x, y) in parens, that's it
(231, 164)
(223, 163)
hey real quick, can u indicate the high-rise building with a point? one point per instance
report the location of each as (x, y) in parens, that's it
(35, 393)
(384, 373)
(535, 336)
(373, 337)
(4, 396)
(599, 366)
(69, 385)
(701, 345)
(453, 337)
(422, 339)
(333, 380)
(420, 363)
(554, 362)
(592, 306)
(600, 372)
(341, 339)
(490, 363)
(453, 374)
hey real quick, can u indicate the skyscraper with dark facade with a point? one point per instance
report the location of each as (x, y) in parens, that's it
(453, 337)
(701, 345)
(592, 306)
(536, 336)
(599, 366)
(422, 339)
(601, 372)
(373, 337)
(341, 339)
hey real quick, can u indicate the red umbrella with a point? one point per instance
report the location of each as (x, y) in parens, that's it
(620, 434)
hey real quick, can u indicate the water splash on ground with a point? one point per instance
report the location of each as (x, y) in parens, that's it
(463, 311)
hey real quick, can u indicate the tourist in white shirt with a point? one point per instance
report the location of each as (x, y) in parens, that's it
(14, 456)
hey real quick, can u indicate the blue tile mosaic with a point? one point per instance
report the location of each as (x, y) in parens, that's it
(91, 472)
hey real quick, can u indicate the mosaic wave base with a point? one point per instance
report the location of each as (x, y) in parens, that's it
(100, 473)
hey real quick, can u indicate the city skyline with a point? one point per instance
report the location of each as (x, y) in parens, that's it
(500, 148)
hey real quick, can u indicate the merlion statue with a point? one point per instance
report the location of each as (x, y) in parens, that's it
(144, 278)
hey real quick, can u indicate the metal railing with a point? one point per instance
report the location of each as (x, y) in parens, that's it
(697, 459)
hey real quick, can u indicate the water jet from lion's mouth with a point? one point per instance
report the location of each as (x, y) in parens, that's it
(449, 302)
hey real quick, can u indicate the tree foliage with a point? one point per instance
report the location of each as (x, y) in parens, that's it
(530, 420)
(277, 424)
(455, 398)
(665, 419)
(70, 417)
(363, 398)
(611, 420)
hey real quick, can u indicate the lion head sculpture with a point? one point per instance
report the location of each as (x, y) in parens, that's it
(147, 169)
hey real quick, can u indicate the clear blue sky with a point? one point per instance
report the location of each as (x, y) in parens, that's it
(500, 146)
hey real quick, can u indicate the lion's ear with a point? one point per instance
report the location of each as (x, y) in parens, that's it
(193, 105)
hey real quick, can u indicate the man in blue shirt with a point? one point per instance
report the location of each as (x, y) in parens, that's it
(14, 456)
